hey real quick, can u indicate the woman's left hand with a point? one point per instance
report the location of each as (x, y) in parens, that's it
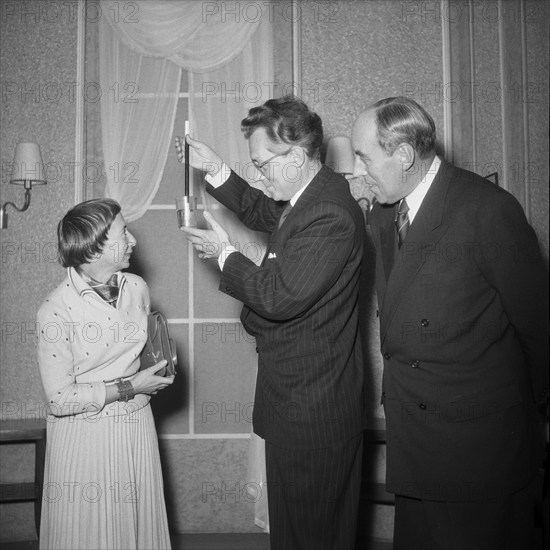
(147, 381)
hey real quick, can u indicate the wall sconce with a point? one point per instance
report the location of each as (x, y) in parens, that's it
(27, 170)
(341, 158)
(340, 155)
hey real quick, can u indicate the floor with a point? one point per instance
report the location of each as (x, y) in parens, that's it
(222, 541)
(230, 541)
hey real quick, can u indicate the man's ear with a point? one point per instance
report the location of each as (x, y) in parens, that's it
(406, 155)
(298, 155)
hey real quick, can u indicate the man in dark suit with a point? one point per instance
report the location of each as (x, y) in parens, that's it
(301, 305)
(464, 335)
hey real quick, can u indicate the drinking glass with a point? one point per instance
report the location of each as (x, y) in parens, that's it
(187, 212)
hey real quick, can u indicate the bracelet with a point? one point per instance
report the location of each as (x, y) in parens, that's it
(125, 389)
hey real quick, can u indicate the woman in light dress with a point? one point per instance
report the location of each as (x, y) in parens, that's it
(103, 484)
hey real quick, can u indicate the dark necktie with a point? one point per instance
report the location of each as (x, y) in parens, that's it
(402, 222)
(284, 214)
(108, 291)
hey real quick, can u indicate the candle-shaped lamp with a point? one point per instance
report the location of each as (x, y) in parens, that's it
(186, 159)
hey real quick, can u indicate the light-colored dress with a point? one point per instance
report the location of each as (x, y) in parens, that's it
(103, 484)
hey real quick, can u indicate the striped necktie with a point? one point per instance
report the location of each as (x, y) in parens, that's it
(284, 214)
(402, 222)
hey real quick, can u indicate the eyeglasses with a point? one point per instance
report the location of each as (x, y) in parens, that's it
(261, 166)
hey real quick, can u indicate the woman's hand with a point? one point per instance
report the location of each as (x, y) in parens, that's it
(147, 381)
(201, 156)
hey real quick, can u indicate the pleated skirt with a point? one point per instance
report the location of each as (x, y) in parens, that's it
(103, 485)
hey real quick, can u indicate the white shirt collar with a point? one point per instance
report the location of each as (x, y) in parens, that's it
(82, 286)
(416, 196)
(297, 195)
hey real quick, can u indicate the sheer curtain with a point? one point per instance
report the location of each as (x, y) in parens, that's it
(135, 130)
(142, 55)
(221, 99)
(230, 66)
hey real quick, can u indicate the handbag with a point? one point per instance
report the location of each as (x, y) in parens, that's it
(159, 345)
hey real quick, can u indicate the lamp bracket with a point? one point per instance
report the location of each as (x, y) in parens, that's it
(4, 214)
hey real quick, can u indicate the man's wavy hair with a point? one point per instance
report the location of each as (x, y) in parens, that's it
(402, 120)
(82, 232)
(289, 121)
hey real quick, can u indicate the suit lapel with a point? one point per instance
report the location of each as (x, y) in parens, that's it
(310, 194)
(426, 230)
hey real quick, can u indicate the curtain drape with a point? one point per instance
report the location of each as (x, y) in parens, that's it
(135, 130)
(221, 99)
(141, 57)
(197, 36)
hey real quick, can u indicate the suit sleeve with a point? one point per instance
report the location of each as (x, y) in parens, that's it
(256, 210)
(306, 266)
(510, 259)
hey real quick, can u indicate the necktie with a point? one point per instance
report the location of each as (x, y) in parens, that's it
(108, 291)
(402, 222)
(284, 214)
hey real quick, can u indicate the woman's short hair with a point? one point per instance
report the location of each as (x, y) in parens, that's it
(402, 120)
(83, 231)
(286, 120)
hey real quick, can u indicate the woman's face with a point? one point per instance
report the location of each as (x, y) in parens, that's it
(117, 248)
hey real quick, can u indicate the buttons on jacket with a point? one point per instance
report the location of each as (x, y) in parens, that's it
(229, 291)
(257, 349)
(425, 322)
(387, 356)
(422, 405)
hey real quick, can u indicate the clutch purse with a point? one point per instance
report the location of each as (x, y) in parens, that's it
(159, 345)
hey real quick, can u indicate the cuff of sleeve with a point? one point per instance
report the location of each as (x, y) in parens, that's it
(226, 251)
(220, 177)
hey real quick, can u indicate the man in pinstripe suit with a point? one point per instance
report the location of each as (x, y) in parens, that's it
(301, 305)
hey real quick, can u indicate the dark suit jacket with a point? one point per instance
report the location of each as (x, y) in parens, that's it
(302, 307)
(464, 335)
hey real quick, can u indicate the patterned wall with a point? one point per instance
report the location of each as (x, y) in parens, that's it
(498, 98)
(37, 68)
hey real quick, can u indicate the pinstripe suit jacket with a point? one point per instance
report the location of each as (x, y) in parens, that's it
(301, 305)
(464, 334)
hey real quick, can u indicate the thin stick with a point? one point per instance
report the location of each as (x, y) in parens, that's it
(186, 159)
